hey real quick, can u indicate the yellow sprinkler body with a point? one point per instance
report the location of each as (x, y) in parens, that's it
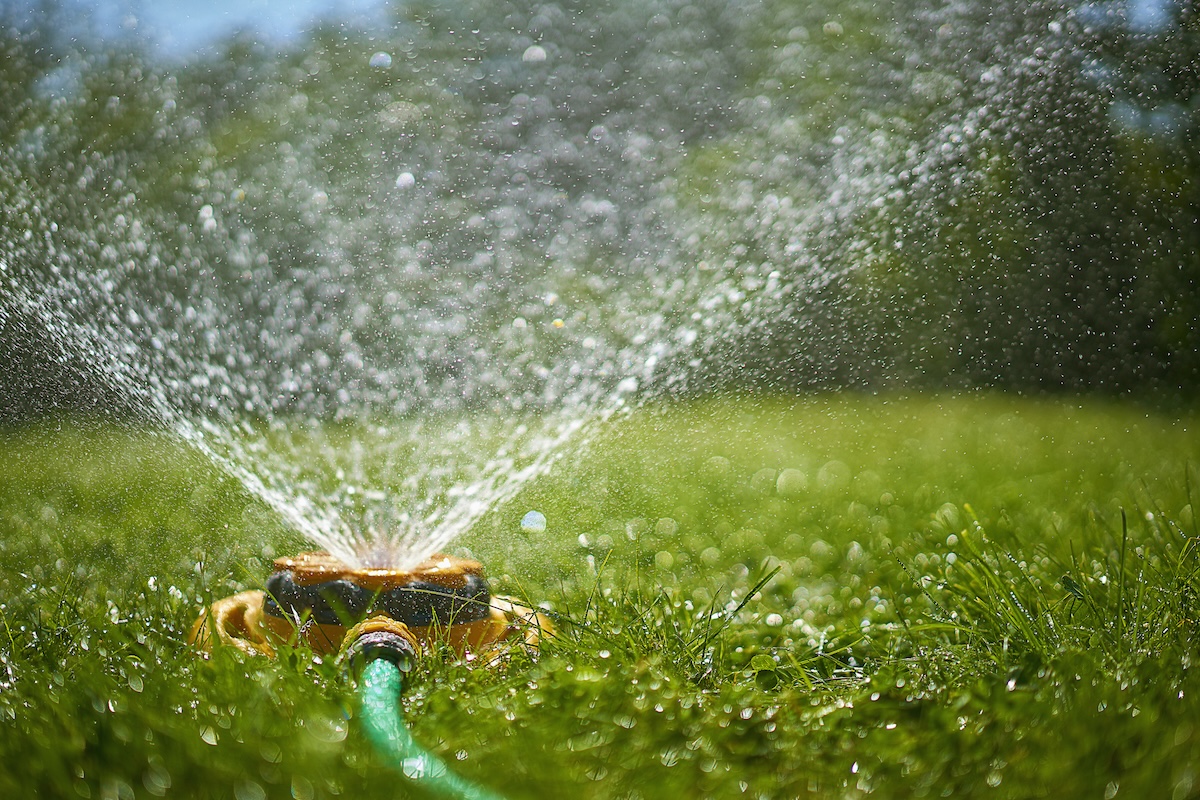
(317, 600)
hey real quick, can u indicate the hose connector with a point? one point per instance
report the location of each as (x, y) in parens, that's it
(375, 638)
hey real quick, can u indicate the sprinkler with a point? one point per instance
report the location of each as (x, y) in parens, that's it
(379, 621)
(315, 599)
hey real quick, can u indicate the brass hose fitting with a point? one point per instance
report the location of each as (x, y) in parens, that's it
(379, 637)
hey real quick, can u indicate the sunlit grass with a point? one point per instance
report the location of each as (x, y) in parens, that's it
(755, 597)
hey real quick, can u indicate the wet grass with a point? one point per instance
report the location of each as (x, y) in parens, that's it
(764, 598)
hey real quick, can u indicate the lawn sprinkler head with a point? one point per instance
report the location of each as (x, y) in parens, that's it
(317, 600)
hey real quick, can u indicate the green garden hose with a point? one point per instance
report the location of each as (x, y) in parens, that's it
(379, 689)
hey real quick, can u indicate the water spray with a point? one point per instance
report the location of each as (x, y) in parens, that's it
(379, 621)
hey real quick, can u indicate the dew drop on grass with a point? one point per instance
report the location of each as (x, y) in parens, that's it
(208, 735)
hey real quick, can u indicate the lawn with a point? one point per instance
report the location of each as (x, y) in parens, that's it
(761, 597)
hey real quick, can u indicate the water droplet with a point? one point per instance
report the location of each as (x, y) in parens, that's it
(533, 522)
(791, 483)
(762, 661)
(156, 779)
(381, 60)
(534, 54)
(302, 788)
(834, 475)
(246, 789)
(405, 180)
(718, 467)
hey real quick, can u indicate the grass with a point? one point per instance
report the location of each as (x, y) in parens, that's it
(948, 596)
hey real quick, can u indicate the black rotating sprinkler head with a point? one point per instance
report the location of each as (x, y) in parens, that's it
(317, 600)
(442, 591)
